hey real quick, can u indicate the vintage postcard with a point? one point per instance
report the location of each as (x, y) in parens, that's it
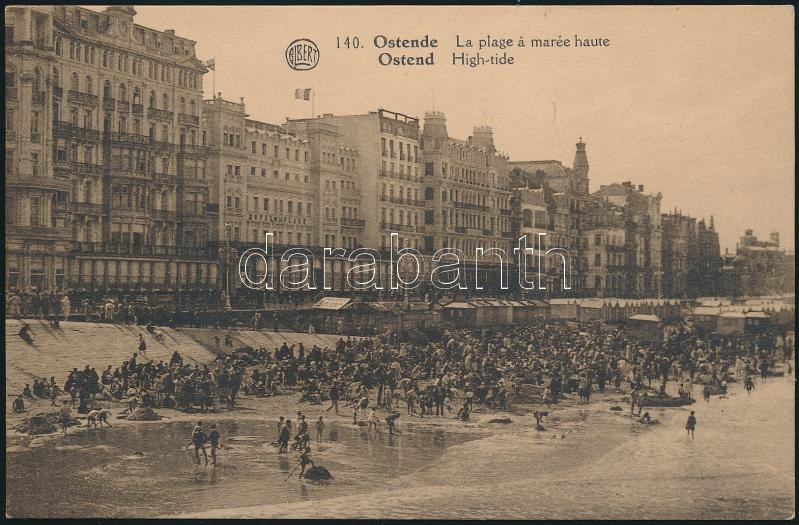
(400, 262)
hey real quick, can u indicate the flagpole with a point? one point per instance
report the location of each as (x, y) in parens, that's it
(313, 102)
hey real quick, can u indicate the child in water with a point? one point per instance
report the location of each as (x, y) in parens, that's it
(690, 425)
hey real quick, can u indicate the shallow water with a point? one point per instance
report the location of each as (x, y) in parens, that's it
(144, 470)
(589, 463)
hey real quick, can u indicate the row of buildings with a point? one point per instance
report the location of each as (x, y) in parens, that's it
(121, 176)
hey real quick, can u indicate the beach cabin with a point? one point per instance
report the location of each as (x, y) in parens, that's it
(706, 317)
(563, 309)
(758, 322)
(529, 311)
(731, 323)
(590, 310)
(493, 313)
(644, 327)
(460, 314)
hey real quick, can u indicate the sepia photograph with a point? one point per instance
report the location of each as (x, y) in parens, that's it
(400, 262)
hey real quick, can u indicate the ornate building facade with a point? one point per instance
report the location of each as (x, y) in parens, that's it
(105, 177)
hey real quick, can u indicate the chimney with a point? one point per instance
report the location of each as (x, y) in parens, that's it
(641, 188)
(775, 238)
(169, 31)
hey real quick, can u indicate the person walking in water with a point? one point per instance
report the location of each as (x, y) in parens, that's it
(749, 385)
(198, 439)
(690, 425)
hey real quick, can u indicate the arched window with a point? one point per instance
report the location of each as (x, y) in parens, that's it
(107, 89)
(123, 92)
(136, 96)
(182, 105)
(74, 86)
(58, 47)
(89, 88)
(56, 77)
(166, 102)
(152, 99)
(193, 107)
(105, 58)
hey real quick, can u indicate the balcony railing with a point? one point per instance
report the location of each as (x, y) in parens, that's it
(86, 99)
(193, 149)
(460, 229)
(395, 227)
(505, 212)
(58, 91)
(62, 126)
(86, 168)
(36, 181)
(356, 223)
(109, 104)
(188, 120)
(105, 248)
(128, 138)
(11, 135)
(137, 109)
(123, 105)
(159, 114)
(11, 93)
(36, 138)
(163, 215)
(193, 209)
(38, 97)
(86, 208)
(83, 133)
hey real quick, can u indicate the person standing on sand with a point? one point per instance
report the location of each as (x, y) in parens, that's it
(320, 427)
(64, 416)
(690, 425)
(749, 385)
(213, 438)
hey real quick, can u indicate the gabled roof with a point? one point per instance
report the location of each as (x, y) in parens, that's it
(645, 317)
(552, 168)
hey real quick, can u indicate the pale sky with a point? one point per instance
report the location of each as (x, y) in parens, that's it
(694, 102)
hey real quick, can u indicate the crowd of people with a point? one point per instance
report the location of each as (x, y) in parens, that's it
(448, 376)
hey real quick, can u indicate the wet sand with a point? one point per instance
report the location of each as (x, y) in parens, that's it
(589, 462)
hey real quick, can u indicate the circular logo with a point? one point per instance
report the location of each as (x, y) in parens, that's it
(302, 55)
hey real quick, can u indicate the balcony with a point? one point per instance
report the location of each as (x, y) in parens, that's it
(163, 146)
(36, 231)
(193, 149)
(505, 212)
(11, 135)
(36, 181)
(64, 165)
(137, 109)
(488, 233)
(36, 138)
(85, 168)
(394, 227)
(355, 223)
(86, 208)
(105, 248)
(61, 126)
(159, 114)
(163, 215)
(460, 229)
(58, 91)
(123, 106)
(508, 235)
(127, 138)
(188, 120)
(38, 97)
(420, 229)
(11, 93)
(109, 104)
(87, 99)
(86, 134)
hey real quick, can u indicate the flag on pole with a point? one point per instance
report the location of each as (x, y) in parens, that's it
(302, 94)
(210, 64)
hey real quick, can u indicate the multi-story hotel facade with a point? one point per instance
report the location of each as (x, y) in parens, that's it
(105, 175)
